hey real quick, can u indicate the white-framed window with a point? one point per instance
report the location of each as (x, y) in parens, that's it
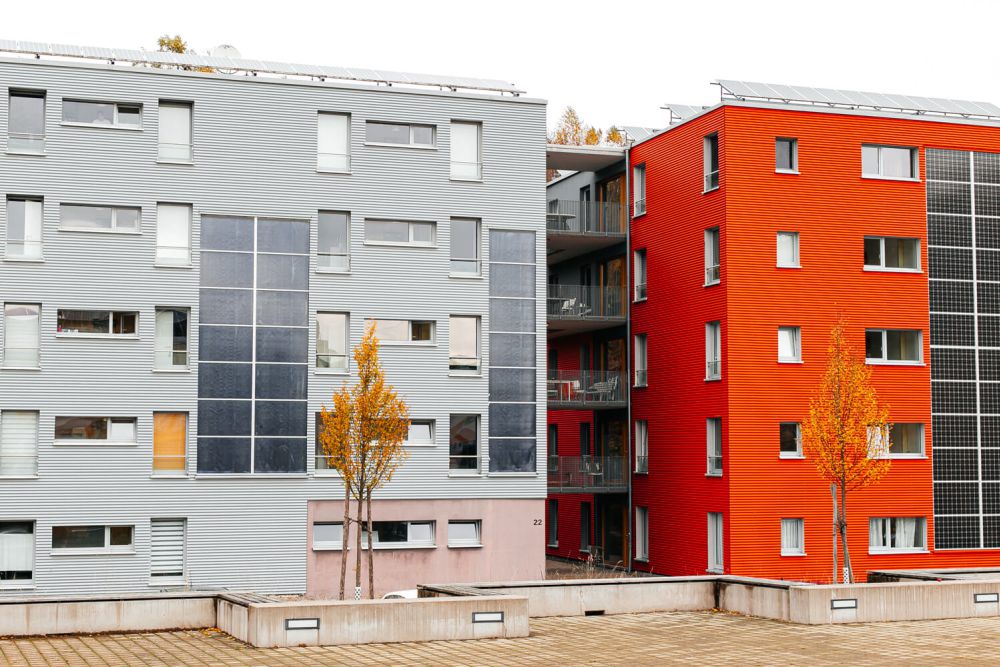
(124, 115)
(332, 347)
(793, 537)
(465, 533)
(328, 535)
(641, 446)
(463, 444)
(171, 346)
(399, 534)
(552, 525)
(465, 244)
(789, 345)
(788, 250)
(173, 234)
(790, 440)
(170, 443)
(100, 323)
(87, 218)
(712, 258)
(906, 440)
(21, 335)
(895, 534)
(466, 151)
(463, 345)
(95, 430)
(713, 350)
(174, 138)
(639, 273)
(883, 253)
(642, 533)
(892, 162)
(713, 445)
(711, 160)
(786, 155)
(404, 331)
(92, 539)
(400, 134)
(17, 553)
(333, 142)
(421, 432)
(18, 445)
(894, 346)
(639, 189)
(26, 122)
(716, 561)
(640, 360)
(333, 241)
(400, 232)
(167, 539)
(24, 228)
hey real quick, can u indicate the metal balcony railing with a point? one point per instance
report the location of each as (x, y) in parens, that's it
(711, 274)
(586, 302)
(588, 474)
(585, 389)
(567, 216)
(713, 370)
(642, 463)
(640, 291)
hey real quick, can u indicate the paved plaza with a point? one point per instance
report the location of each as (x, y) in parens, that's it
(634, 639)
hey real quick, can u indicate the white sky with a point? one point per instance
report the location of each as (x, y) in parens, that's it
(616, 62)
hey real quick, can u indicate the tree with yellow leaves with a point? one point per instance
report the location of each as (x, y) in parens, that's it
(362, 436)
(592, 137)
(846, 432)
(614, 136)
(175, 44)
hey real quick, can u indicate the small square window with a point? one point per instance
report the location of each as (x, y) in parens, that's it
(786, 155)
(790, 438)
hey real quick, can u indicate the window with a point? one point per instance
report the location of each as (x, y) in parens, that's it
(715, 537)
(399, 534)
(713, 437)
(166, 549)
(400, 232)
(323, 465)
(96, 430)
(640, 360)
(642, 533)
(331, 341)
(21, 335)
(333, 244)
(328, 535)
(713, 351)
(173, 234)
(639, 271)
(786, 155)
(789, 345)
(712, 272)
(24, 228)
(553, 524)
(175, 132)
(584, 526)
(711, 159)
(170, 443)
(92, 539)
(399, 134)
(466, 151)
(906, 440)
(333, 142)
(26, 122)
(465, 534)
(463, 445)
(465, 259)
(641, 446)
(793, 537)
(108, 114)
(17, 553)
(790, 440)
(171, 351)
(889, 162)
(788, 250)
(421, 432)
(893, 346)
(18, 444)
(99, 218)
(97, 323)
(463, 345)
(892, 254)
(897, 534)
(404, 331)
(639, 189)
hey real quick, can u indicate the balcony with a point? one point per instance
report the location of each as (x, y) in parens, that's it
(580, 308)
(588, 474)
(579, 227)
(586, 390)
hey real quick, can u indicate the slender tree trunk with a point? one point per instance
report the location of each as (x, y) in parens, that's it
(843, 534)
(357, 562)
(836, 525)
(345, 540)
(371, 555)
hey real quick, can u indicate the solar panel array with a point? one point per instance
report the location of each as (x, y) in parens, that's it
(225, 64)
(770, 92)
(636, 133)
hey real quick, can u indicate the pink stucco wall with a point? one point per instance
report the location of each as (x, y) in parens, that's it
(513, 546)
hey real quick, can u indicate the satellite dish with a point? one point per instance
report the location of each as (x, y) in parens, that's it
(224, 51)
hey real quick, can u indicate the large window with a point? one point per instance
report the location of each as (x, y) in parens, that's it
(404, 331)
(789, 345)
(713, 444)
(639, 273)
(18, 444)
(786, 155)
(715, 542)
(333, 246)
(793, 537)
(399, 534)
(891, 254)
(333, 142)
(106, 114)
(893, 346)
(465, 257)
(790, 440)
(97, 323)
(713, 351)
(889, 162)
(175, 132)
(24, 228)
(642, 533)
(331, 341)
(169, 443)
(639, 189)
(399, 134)
(99, 218)
(400, 232)
(96, 430)
(173, 234)
(712, 272)
(463, 447)
(711, 160)
(641, 446)
(552, 524)
(788, 250)
(17, 553)
(171, 351)
(26, 122)
(465, 534)
(640, 360)
(466, 151)
(21, 335)
(92, 539)
(890, 534)
(463, 345)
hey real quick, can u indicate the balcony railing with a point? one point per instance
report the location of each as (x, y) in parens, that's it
(640, 291)
(586, 302)
(711, 274)
(713, 370)
(588, 474)
(586, 389)
(567, 216)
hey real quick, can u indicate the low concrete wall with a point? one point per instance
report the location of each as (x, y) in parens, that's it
(754, 599)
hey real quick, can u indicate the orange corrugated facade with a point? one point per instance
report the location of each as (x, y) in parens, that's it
(832, 208)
